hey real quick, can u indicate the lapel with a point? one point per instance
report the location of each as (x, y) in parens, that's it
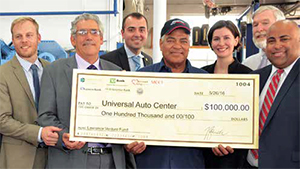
(146, 60)
(20, 75)
(290, 79)
(70, 65)
(123, 58)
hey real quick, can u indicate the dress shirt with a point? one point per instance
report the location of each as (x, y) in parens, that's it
(251, 160)
(253, 61)
(28, 73)
(130, 55)
(82, 64)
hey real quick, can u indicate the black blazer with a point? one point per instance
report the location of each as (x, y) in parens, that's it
(119, 57)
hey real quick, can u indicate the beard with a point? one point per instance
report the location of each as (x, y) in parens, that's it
(260, 44)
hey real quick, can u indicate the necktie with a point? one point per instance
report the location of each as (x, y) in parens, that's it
(137, 61)
(266, 106)
(36, 84)
(92, 67)
(263, 62)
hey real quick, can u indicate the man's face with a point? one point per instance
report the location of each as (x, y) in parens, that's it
(175, 48)
(26, 39)
(283, 44)
(261, 24)
(135, 33)
(87, 45)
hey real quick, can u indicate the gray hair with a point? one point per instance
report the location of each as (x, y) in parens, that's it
(86, 16)
(278, 14)
(163, 38)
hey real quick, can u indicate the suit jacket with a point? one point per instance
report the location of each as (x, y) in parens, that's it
(54, 110)
(17, 118)
(279, 140)
(120, 58)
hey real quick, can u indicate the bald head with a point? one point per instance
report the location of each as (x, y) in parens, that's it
(283, 43)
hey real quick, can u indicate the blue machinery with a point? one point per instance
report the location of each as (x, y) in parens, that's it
(49, 49)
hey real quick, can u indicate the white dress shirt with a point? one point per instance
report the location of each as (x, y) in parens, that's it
(254, 61)
(130, 61)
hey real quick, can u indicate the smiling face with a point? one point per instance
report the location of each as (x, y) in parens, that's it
(261, 23)
(26, 39)
(223, 42)
(283, 43)
(135, 33)
(175, 48)
(88, 45)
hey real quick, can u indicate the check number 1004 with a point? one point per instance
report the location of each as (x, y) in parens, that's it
(226, 107)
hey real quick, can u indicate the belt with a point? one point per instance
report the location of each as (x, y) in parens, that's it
(98, 150)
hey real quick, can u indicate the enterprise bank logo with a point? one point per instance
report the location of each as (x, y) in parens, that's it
(82, 80)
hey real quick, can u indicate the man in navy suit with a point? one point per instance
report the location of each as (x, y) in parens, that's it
(279, 138)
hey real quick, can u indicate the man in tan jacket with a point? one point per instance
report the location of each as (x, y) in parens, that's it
(23, 140)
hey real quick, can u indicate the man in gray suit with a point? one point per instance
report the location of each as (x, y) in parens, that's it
(55, 101)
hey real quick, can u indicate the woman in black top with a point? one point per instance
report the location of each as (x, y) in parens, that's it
(224, 38)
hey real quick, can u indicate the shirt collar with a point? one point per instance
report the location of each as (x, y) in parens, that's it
(26, 64)
(286, 70)
(82, 64)
(163, 66)
(131, 54)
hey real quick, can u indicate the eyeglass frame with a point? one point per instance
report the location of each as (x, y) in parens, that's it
(84, 32)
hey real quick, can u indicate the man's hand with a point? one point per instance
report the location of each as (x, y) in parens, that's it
(72, 145)
(135, 147)
(49, 135)
(221, 151)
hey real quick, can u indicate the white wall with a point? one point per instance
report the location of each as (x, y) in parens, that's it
(57, 27)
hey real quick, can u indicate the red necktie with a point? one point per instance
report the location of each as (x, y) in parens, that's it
(266, 106)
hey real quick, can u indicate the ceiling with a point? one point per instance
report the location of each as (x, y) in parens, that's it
(240, 5)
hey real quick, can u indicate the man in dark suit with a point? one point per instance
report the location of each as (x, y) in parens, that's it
(279, 138)
(87, 37)
(130, 56)
(279, 102)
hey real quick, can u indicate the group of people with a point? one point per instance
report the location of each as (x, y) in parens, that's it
(35, 96)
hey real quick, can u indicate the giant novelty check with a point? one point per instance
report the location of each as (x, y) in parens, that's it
(172, 109)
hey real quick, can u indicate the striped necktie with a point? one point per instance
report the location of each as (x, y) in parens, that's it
(266, 106)
(137, 61)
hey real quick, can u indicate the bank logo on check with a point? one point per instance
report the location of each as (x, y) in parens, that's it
(112, 80)
(82, 79)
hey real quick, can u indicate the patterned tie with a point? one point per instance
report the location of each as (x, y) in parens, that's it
(263, 62)
(137, 61)
(92, 67)
(36, 84)
(266, 106)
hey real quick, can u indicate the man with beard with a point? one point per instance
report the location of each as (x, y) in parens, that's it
(130, 56)
(263, 18)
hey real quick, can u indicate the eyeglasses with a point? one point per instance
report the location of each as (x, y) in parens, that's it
(83, 32)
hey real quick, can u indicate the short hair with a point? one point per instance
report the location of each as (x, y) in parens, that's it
(134, 15)
(278, 14)
(86, 16)
(163, 38)
(22, 20)
(225, 24)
